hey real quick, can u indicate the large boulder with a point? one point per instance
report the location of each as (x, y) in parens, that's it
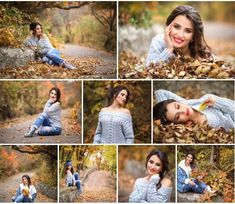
(68, 194)
(50, 192)
(15, 57)
(137, 40)
(188, 197)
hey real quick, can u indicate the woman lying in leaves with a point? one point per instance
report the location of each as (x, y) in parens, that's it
(156, 187)
(185, 182)
(209, 110)
(48, 122)
(43, 48)
(184, 32)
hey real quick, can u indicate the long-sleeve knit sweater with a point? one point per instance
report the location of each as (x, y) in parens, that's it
(114, 128)
(53, 112)
(158, 51)
(146, 191)
(43, 44)
(221, 114)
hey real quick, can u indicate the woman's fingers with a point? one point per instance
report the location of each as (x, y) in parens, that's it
(210, 101)
(167, 38)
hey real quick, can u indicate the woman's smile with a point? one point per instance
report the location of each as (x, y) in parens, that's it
(178, 40)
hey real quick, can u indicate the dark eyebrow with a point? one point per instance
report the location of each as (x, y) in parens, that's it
(185, 28)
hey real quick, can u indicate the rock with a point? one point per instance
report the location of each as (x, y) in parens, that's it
(50, 192)
(15, 57)
(187, 197)
(135, 168)
(137, 40)
(68, 194)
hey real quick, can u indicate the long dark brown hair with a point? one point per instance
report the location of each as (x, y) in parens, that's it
(198, 46)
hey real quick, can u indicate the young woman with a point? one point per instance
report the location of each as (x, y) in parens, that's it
(184, 32)
(115, 123)
(49, 122)
(184, 181)
(43, 48)
(26, 193)
(155, 187)
(210, 109)
(72, 178)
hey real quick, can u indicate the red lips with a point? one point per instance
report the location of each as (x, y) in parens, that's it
(178, 40)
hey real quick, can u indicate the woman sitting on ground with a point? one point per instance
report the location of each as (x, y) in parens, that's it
(184, 181)
(43, 48)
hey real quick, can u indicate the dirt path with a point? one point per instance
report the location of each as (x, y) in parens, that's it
(9, 186)
(14, 132)
(99, 187)
(107, 67)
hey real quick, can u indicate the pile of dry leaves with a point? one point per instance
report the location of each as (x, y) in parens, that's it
(85, 67)
(177, 68)
(180, 133)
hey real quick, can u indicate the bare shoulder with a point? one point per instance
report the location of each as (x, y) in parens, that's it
(166, 182)
(125, 110)
(104, 109)
(44, 35)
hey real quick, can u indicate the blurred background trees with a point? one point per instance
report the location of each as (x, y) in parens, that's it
(131, 165)
(157, 12)
(97, 96)
(41, 159)
(29, 97)
(219, 160)
(91, 24)
(85, 157)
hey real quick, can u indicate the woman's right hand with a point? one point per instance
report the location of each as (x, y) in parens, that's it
(191, 183)
(167, 38)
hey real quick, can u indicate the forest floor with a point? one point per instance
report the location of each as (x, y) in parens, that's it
(9, 186)
(13, 131)
(89, 63)
(99, 187)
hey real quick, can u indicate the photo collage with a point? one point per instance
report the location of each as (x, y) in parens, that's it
(117, 101)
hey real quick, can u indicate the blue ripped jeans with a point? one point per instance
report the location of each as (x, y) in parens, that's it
(46, 128)
(22, 199)
(77, 182)
(53, 57)
(199, 187)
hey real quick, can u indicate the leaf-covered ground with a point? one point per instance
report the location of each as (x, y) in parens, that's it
(86, 67)
(180, 133)
(177, 68)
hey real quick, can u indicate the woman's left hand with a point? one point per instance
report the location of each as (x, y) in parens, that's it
(210, 101)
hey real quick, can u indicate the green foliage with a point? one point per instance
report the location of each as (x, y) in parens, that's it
(97, 96)
(14, 26)
(144, 20)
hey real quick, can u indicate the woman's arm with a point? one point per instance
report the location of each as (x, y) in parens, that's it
(227, 106)
(139, 194)
(158, 51)
(128, 131)
(162, 195)
(181, 176)
(98, 132)
(51, 107)
(46, 45)
(18, 192)
(162, 95)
